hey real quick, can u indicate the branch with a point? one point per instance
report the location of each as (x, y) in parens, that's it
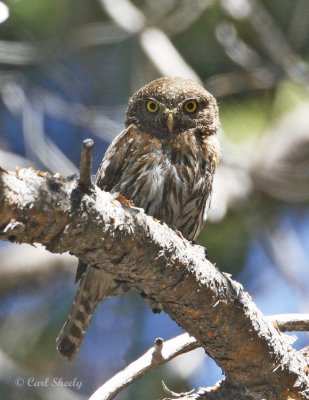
(181, 344)
(153, 358)
(221, 391)
(85, 166)
(153, 259)
(290, 322)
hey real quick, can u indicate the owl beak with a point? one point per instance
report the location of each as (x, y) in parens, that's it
(170, 119)
(170, 122)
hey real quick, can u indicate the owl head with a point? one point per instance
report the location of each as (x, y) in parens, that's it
(169, 106)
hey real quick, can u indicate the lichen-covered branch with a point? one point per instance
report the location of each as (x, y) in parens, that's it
(151, 258)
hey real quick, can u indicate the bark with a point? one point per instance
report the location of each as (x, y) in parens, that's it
(152, 258)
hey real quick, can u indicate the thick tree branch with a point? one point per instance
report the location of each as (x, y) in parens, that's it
(150, 257)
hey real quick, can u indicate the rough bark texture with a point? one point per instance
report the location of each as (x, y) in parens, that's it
(135, 248)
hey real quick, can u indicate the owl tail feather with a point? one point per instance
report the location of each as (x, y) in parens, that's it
(72, 333)
(94, 286)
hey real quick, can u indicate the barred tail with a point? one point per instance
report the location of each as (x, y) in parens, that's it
(95, 285)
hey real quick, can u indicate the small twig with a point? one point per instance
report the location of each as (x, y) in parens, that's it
(164, 352)
(86, 165)
(153, 358)
(174, 394)
(290, 322)
(157, 351)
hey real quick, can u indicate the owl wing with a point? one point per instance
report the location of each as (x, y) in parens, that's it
(110, 170)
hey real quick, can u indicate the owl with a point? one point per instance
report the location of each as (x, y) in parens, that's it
(164, 161)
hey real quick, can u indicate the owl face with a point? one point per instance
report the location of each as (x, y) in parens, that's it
(169, 106)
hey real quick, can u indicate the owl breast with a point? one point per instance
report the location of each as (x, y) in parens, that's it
(171, 185)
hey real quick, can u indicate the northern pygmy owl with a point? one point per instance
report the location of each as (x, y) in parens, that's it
(164, 160)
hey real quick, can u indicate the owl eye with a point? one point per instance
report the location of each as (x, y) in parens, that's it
(152, 106)
(190, 106)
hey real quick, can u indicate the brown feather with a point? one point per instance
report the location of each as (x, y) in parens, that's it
(166, 169)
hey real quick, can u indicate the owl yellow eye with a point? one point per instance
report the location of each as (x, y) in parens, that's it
(152, 106)
(190, 106)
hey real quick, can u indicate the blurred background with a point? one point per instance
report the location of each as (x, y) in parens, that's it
(67, 69)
